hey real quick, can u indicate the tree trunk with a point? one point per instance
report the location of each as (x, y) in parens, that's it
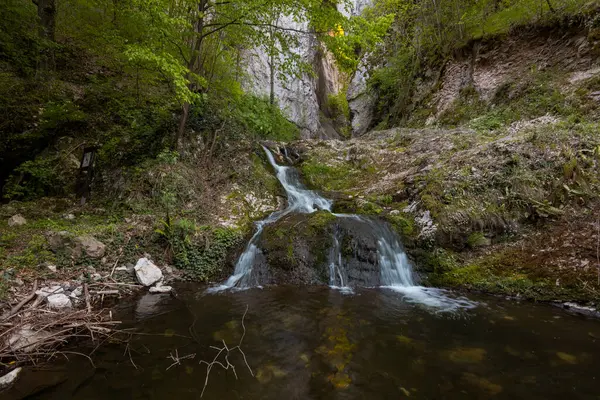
(47, 14)
(550, 6)
(272, 79)
(196, 51)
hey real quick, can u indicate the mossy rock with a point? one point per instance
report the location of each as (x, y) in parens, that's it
(296, 248)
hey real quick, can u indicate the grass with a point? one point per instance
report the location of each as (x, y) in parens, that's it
(521, 13)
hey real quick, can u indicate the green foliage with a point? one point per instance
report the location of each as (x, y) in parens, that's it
(56, 115)
(425, 33)
(34, 254)
(39, 177)
(199, 251)
(338, 105)
(263, 120)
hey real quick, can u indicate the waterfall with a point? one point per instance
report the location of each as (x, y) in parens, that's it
(337, 273)
(396, 272)
(300, 200)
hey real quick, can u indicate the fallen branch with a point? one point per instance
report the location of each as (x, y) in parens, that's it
(226, 365)
(26, 300)
(87, 298)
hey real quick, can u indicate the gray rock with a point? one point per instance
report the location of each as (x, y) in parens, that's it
(59, 301)
(58, 241)
(147, 273)
(26, 338)
(48, 291)
(70, 217)
(8, 379)
(150, 304)
(160, 289)
(91, 246)
(77, 292)
(17, 220)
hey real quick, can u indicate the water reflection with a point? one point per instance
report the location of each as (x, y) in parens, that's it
(317, 343)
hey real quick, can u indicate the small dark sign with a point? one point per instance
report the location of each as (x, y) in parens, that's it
(86, 174)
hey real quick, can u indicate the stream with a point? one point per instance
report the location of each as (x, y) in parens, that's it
(319, 343)
(342, 341)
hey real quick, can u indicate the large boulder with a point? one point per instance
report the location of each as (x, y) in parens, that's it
(147, 273)
(16, 220)
(300, 248)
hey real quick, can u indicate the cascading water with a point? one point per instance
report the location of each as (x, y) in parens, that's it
(300, 200)
(396, 272)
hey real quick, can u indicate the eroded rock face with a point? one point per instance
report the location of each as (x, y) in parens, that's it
(299, 248)
(302, 99)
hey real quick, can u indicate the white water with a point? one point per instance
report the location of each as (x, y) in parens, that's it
(396, 269)
(300, 200)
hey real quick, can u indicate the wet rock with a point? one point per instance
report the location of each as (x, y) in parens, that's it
(566, 357)
(159, 288)
(59, 301)
(16, 220)
(147, 273)
(481, 383)
(90, 246)
(467, 355)
(150, 305)
(299, 249)
(8, 379)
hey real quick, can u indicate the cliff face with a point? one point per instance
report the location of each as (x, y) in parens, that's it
(303, 99)
(501, 192)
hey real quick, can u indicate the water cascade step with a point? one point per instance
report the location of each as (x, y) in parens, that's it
(395, 269)
(300, 200)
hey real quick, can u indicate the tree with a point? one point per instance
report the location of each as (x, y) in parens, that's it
(46, 10)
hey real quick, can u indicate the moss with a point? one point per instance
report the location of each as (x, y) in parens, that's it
(403, 224)
(507, 272)
(477, 239)
(299, 240)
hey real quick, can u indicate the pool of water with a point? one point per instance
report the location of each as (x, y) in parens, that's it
(319, 343)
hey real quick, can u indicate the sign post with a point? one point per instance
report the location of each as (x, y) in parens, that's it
(86, 174)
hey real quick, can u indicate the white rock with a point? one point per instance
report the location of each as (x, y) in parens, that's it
(160, 289)
(147, 273)
(9, 378)
(395, 212)
(52, 268)
(48, 291)
(77, 292)
(70, 217)
(26, 338)
(59, 301)
(17, 220)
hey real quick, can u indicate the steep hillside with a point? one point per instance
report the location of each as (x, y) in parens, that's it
(500, 193)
